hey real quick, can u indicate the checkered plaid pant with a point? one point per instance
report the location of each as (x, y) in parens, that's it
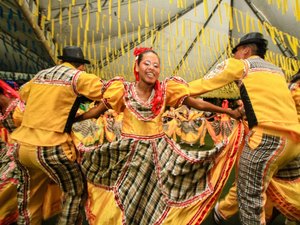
(38, 165)
(260, 159)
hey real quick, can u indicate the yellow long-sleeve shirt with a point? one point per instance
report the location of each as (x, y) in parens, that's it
(263, 89)
(49, 97)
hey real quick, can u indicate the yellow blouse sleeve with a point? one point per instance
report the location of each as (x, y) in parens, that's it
(224, 73)
(176, 91)
(113, 94)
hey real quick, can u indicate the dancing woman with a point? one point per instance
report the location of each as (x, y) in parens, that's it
(145, 177)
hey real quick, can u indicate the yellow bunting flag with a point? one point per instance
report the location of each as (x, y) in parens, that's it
(119, 29)
(119, 9)
(43, 19)
(49, 10)
(139, 13)
(109, 44)
(146, 16)
(60, 15)
(230, 18)
(153, 16)
(242, 22)
(205, 9)
(109, 7)
(126, 32)
(99, 5)
(129, 10)
(247, 22)
(52, 28)
(236, 19)
(87, 22)
(252, 24)
(139, 33)
(297, 9)
(220, 13)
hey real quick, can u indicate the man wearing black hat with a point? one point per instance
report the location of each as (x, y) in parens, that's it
(46, 151)
(274, 137)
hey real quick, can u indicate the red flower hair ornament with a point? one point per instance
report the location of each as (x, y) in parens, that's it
(136, 53)
(157, 101)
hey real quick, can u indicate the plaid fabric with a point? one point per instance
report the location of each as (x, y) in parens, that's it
(57, 75)
(148, 175)
(216, 124)
(226, 128)
(291, 171)
(253, 172)
(66, 174)
(7, 118)
(8, 170)
(189, 126)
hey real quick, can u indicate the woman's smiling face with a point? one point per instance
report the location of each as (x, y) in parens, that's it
(149, 68)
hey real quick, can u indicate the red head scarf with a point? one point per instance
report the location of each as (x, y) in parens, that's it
(8, 91)
(158, 99)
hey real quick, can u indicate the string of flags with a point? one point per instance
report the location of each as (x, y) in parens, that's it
(84, 24)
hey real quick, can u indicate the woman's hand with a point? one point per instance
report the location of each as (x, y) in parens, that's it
(235, 114)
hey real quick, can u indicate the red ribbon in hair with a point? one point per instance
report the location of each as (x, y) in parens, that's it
(8, 91)
(136, 53)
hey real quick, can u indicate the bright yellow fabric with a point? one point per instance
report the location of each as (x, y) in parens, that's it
(228, 206)
(285, 195)
(114, 98)
(110, 213)
(46, 127)
(9, 207)
(192, 136)
(183, 215)
(266, 98)
(38, 179)
(227, 72)
(176, 92)
(101, 207)
(114, 95)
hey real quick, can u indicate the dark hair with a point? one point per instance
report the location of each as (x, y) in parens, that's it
(140, 56)
(260, 49)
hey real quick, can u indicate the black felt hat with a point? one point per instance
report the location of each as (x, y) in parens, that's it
(251, 38)
(73, 54)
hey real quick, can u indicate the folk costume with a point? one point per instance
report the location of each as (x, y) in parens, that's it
(10, 118)
(46, 151)
(274, 137)
(145, 177)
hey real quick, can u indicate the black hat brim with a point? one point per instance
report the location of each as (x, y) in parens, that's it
(72, 59)
(250, 41)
